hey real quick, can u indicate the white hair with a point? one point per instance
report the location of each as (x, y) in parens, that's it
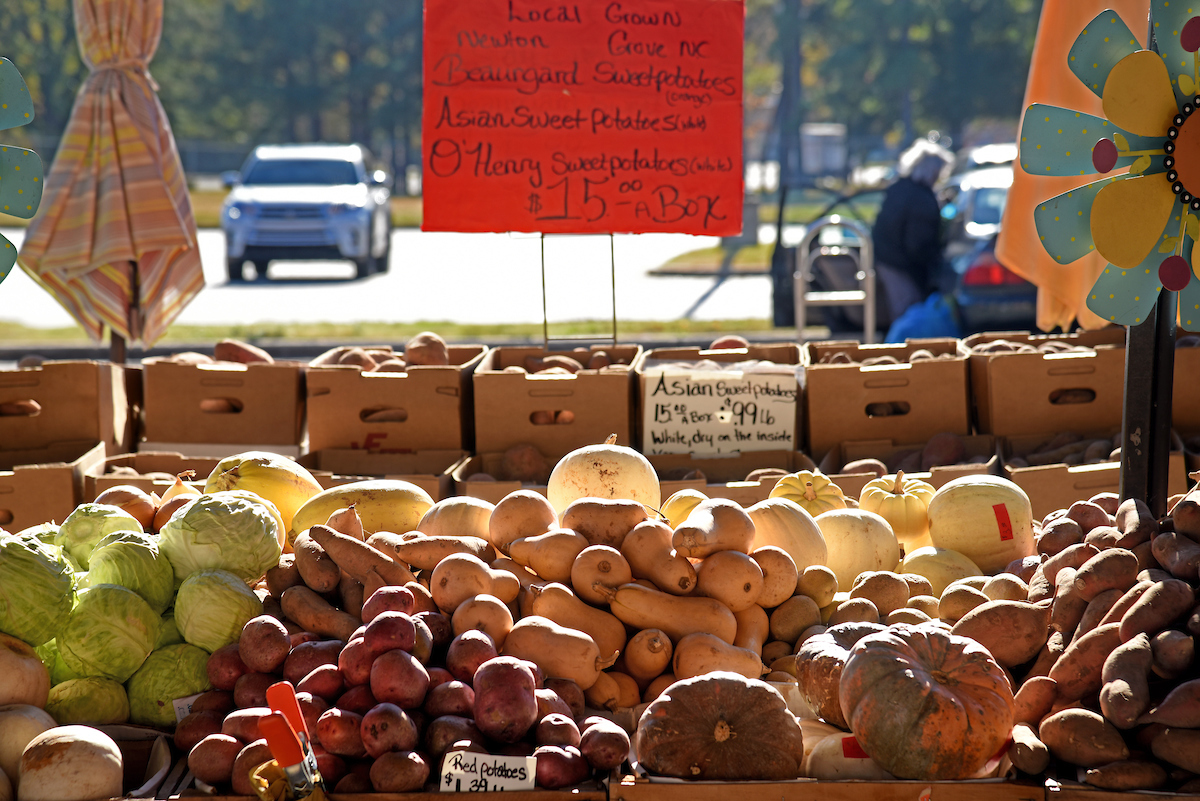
(924, 162)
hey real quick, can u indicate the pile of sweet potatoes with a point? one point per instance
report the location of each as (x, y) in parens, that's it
(1115, 690)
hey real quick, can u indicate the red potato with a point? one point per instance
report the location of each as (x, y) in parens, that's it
(251, 689)
(354, 662)
(556, 729)
(264, 644)
(219, 701)
(303, 637)
(243, 723)
(438, 675)
(211, 760)
(505, 704)
(422, 642)
(399, 772)
(388, 599)
(467, 652)
(339, 731)
(386, 727)
(604, 744)
(450, 698)
(1157, 607)
(324, 682)
(354, 783)
(308, 656)
(559, 766)
(195, 727)
(311, 707)
(397, 677)
(332, 766)
(439, 626)
(225, 667)
(247, 760)
(549, 702)
(570, 693)
(443, 732)
(357, 699)
(389, 631)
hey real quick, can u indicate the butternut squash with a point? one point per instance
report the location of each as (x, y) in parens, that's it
(714, 525)
(753, 628)
(560, 652)
(523, 513)
(602, 521)
(423, 552)
(647, 549)
(700, 653)
(550, 555)
(485, 613)
(598, 567)
(648, 654)
(657, 687)
(732, 577)
(604, 693)
(629, 693)
(461, 576)
(642, 608)
(556, 602)
(780, 575)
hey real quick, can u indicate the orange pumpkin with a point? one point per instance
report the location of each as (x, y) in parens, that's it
(812, 489)
(926, 704)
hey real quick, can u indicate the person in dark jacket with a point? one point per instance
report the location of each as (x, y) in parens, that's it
(907, 232)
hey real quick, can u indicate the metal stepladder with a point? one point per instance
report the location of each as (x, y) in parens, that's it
(864, 259)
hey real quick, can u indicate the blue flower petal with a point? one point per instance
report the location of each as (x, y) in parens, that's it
(8, 257)
(1058, 141)
(1064, 223)
(1105, 41)
(16, 107)
(1167, 18)
(1125, 297)
(21, 181)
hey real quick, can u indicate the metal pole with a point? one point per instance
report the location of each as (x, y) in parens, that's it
(545, 313)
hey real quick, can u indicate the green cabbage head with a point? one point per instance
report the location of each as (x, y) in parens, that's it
(222, 532)
(37, 589)
(132, 559)
(176, 671)
(90, 523)
(52, 659)
(93, 701)
(168, 632)
(213, 606)
(109, 634)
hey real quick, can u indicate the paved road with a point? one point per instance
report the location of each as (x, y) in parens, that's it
(460, 278)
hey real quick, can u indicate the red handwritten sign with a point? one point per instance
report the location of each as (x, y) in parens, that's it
(598, 116)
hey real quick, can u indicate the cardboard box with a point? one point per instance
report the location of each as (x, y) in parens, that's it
(843, 402)
(1057, 486)
(79, 400)
(41, 485)
(490, 491)
(725, 476)
(690, 409)
(1044, 393)
(266, 402)
(430, 470)
(99, 479)
(601, 401)
(432, 406)
(978, 446)
(659, 789)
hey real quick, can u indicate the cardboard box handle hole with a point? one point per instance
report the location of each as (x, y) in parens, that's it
(562, 417)
(26, 407)
(221, 406)
(383, 415)
(1066, 397)
(887, 409)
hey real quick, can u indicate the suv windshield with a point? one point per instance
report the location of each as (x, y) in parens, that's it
(280, 172)
(989, 206)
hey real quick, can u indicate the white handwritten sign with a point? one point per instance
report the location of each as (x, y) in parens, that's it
(718, 411)
(468, 772)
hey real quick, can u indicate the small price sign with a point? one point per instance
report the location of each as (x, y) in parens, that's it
(468, 772)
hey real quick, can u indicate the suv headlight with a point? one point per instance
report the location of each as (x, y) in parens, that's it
(345, 208)
(241, 208)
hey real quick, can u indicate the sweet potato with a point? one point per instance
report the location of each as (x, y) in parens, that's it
(1055, 645)
(1058, 535)
(1103, 537)
(1126, 691)
(1127, 599)
(1180, 708)
(1034, 698)
(233, 350)
(1087, 514)
(1136, 523)
(1157, 607)
(1173, 653)
(1069, 606)
(283, 575)
(1074, 556)
(1013, 631)
(1082, 737)
(1115, 568)
(1028, 753)
(1130, 774)
(1079, 670)
(1097, 608)
(424, 552)
(1179, 555)
(316, 614)
(1180, 747)
(1040, 587)
(359, 559)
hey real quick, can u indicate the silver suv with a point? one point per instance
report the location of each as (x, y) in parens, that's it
(312, 201)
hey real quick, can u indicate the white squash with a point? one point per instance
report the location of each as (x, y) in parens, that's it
(676, 508)
(815, 730)
(70, 763)
(788, 525)
(608, 471)
(19, 723)
(457, 516)
(24, 679)
(941, 566)
(857, 540)
(988, 519)
(6, 788)
(841, 757)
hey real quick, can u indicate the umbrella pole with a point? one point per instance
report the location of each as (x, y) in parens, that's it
(116, 348)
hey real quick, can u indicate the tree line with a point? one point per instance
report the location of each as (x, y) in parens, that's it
(246, 71)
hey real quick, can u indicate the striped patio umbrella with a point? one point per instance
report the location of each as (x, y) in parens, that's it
(115, 239)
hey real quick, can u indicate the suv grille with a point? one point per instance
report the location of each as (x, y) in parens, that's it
(306, 212)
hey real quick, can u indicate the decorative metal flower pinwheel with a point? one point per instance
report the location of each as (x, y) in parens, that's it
(1144, 222)
(20, 169)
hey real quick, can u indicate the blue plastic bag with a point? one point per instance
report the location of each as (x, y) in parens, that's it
(933, 318)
